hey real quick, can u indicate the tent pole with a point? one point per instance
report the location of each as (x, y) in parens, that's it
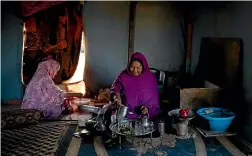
(132, 12)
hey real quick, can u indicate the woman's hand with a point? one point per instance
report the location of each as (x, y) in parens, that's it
(144, 110)
(116, 99)
(62, 45)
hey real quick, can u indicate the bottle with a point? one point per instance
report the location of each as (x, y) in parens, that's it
(113, 121)
(161, 127)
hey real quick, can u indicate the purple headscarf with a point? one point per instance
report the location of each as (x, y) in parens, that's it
(139, 90)
(42, 94)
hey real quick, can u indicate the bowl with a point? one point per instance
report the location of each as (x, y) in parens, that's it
(219, 119)
(175, 113)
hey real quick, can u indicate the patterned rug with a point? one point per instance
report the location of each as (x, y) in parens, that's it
(39, 140)
(87, 149)
(215, 148)
(164, 146)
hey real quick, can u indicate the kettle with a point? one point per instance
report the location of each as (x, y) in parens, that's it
(121, 112)
(145, 121)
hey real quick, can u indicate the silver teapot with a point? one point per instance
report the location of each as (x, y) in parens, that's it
(121, 113)
(145, 121)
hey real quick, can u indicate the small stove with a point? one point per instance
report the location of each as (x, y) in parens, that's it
(182, 123)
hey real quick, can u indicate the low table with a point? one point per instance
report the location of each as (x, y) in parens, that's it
(136, 127)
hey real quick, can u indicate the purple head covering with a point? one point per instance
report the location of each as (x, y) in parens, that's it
(138, 90)
(42, 94)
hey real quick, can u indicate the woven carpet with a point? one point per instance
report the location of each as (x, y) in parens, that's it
(214, 148)
(182, 148)
(39, 140)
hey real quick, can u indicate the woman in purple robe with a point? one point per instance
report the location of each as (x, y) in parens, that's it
(42, 94)
(136, 87)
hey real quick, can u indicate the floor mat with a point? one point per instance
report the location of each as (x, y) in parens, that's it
(64, 145)
(40, 140)
(157, 148)
(214, 148)
(181, 148)
(87, 147)
(164, 146)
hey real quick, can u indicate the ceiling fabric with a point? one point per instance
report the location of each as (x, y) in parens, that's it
(29, 8)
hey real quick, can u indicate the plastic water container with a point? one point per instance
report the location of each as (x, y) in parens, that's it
(219, 119)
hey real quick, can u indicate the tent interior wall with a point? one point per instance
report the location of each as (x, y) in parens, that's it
(160, 32)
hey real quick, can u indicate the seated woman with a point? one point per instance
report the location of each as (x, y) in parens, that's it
(136, 87)
(42, 94)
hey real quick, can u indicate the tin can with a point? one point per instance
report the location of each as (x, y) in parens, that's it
(182, 128)
(161, 127)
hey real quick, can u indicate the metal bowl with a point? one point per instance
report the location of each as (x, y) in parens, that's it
(85, 132)
(175, 113)
(90, 109)
(81, 101)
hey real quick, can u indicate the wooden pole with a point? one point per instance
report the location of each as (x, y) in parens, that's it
(131, 28)
(189, 44)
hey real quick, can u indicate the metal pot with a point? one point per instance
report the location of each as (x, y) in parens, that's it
(81, 101)
(182, 128)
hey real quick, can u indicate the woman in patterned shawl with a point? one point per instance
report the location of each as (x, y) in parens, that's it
(42, 94)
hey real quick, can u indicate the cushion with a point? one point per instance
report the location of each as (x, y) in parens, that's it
(19, 118)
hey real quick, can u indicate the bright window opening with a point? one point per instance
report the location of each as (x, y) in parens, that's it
(79, 72)
(22, 58)
(76, 83)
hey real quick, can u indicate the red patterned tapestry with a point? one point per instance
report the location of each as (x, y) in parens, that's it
(54, 32)
(31, 7)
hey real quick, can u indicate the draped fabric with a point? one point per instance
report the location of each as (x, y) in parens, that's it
(29, 8)
(50, 27)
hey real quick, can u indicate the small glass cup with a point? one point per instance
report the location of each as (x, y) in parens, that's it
(138, 128)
